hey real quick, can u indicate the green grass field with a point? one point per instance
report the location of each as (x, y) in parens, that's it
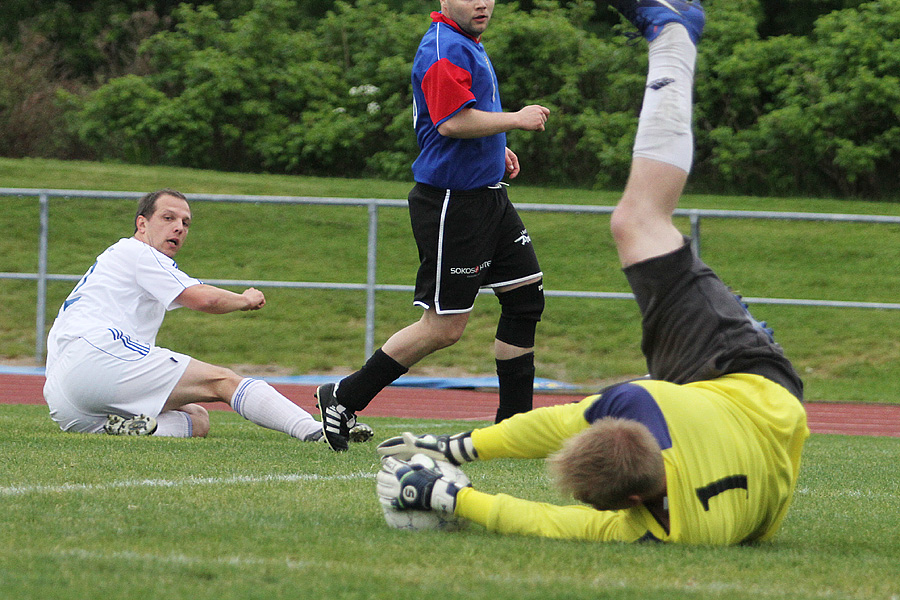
(249, 513)
(582, 342)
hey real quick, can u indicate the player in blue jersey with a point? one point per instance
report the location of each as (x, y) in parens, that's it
(467, 231)
(704, 451)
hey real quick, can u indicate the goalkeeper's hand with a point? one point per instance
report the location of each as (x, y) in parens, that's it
(455, 449)
(410, 486)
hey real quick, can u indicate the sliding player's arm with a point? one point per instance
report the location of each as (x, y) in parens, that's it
(213, 300)
(534, 434)
(505, 514)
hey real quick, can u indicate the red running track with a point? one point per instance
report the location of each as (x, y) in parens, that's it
(467, 405)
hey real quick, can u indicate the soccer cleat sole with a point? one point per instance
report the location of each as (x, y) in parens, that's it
(361, 433)
(137, 425)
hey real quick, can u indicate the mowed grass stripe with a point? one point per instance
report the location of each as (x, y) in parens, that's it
(603, 581)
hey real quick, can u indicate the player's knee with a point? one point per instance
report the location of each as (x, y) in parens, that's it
(226, 374)
(447, 336)
(625, 220)
(445, 330)
(199, 417)
(520, 310)
(634, 220)
(201, 427)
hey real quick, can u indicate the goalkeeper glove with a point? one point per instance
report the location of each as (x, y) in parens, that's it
(455, 449)
(415, 487)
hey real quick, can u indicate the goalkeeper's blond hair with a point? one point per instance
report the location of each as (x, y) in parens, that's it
(608, 463)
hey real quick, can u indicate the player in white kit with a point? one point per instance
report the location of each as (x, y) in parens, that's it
(104, 370)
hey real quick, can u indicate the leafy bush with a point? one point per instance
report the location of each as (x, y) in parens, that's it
(816, 114)
(271, 90)
(256, 93)
(31, 120)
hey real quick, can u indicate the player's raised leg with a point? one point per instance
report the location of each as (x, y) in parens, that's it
(663, 149)
(651, 16)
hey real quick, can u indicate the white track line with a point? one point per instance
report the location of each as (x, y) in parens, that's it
(162, 483)
(183, 559)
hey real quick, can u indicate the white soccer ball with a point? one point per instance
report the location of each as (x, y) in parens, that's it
(420, 520)
(424, 520)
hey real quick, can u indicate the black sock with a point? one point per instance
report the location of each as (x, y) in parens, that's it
(357, 390)
(516, 377)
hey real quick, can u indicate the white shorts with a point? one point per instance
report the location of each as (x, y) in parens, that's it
(108, 373)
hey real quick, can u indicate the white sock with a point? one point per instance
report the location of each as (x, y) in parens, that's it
(174, 423)
(259, 402)
(664, 129)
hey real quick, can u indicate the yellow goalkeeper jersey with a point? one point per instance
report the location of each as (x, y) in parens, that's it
(731, 448)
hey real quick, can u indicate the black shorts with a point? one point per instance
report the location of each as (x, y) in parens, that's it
(695, 329)
(467, 240)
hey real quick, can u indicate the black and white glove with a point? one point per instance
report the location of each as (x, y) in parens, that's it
(455, 449)
(410, 486)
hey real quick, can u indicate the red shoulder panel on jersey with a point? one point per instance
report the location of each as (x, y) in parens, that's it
(447, 88)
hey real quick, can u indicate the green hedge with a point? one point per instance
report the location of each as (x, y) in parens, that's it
(266, 91)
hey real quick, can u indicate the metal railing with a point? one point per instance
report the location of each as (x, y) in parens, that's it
(371, 287)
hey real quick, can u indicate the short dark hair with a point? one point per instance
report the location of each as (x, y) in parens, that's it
(147, 204)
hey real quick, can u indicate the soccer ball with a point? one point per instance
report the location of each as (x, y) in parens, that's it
(423, 520)
(419, 520)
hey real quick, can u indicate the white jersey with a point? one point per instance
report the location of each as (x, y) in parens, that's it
(128, 289)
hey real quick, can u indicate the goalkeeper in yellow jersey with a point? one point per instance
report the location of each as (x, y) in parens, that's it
(706, 450)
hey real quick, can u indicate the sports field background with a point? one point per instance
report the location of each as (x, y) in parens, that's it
(250, 513)
(844, 355)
